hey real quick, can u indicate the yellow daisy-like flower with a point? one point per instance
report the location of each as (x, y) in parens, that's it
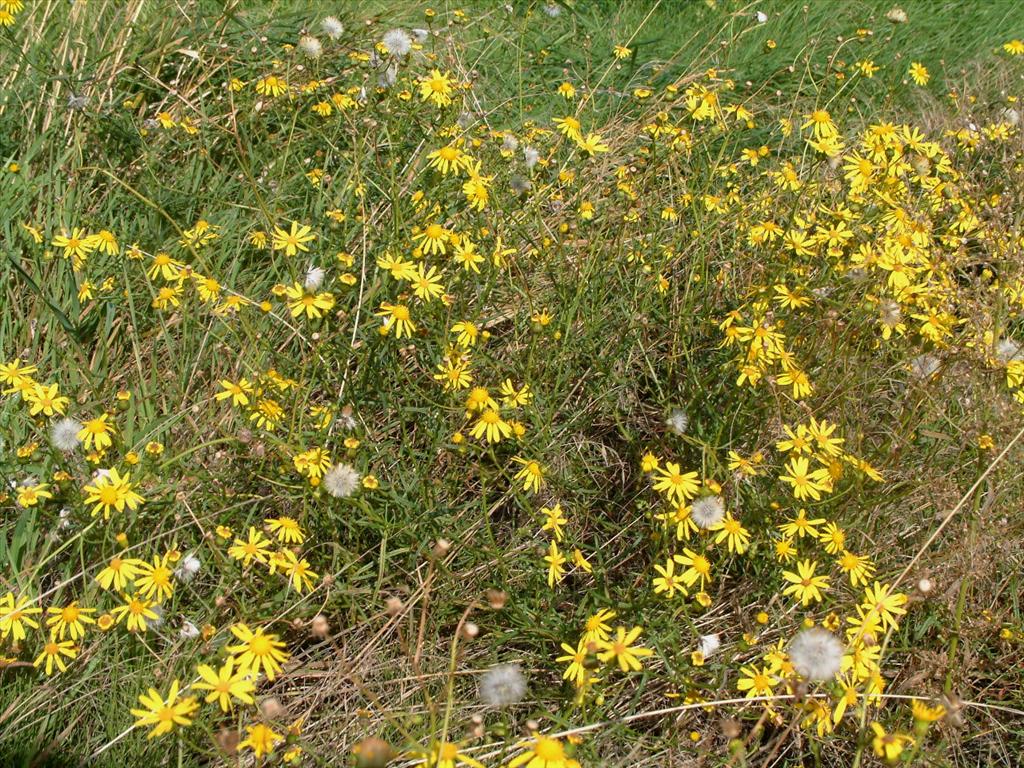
(15, 614)
(54, 654)
(294, 240)
(492, 426)
(112, 492)
(804, 584)
(70, 620)
(225, 684)
(286, 529)
(95, 433)
(676, 485)
(165, 714)
(622, 650)
(543, 752)
(257, 651)
(436, 88)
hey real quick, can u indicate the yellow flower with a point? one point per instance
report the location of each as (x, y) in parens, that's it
(313, 305)
(70, 619)
(675, 485)
(1014, 47)
(925, 713)
(239, 392)
(622, 650)
(492, 426)
(888, 746)
(54, 653)
(820, 122)
(556, 564)
(804, 584)
(45, 399)
(592, 144)
(804, 481)
(300, 575)
(164, 714)
(111, 491)
(426, 283)
(698, 567)
(77, 246)
(883, 602)
(800, 526)
(581, 562)
(15, 614)
(156, 580)
(30, 495)
(225, 684)
(294, 240)
(448, 159)
(531, 475)
(667, 581)
(257, 651)
(271, 85)
(858, 567)
(543, 752)
(436, 88)
(576, 657)
(433, 240)
(137, 611)
(286, 529)
(648, 462)
(96, 432)
(447, 755)
(569, 127)
(756, 682)
(396, 316)
(918, 73)
(555, 520)
(732, 531)
(119, 572)
(596, 628)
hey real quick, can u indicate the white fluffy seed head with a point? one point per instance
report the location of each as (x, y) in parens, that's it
(388, 76)
(188, 568)
(707, 511)
(1008, 350)
(314, 278)
(503, 685)
(509, 143)
(553, 10)
(897, 15)
(64, 435)
(531, 156)
(398, 42)
(341, 481)
(890, 313)
(332, 27)
(420, 35)
(519, 185)
(709, 645)
(816, 654)
(677, 421)
(189, 630)
(310, 47)
(924, 366)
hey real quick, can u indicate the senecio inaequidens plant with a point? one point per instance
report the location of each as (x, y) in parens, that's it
(370, 443)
